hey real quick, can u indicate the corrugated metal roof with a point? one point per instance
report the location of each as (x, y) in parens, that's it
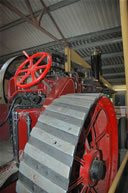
(76, 21)
(6, 16)
(82, 17)
(88, 16)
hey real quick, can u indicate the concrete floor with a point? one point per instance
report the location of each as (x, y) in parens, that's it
(6, 152)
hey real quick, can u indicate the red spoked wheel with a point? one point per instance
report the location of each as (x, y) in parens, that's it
(96, 157)
(28, 69)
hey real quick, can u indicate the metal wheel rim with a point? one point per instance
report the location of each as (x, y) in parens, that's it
(103, 109)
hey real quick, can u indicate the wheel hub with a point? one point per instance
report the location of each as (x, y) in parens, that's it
(98, 170)
(93, 169)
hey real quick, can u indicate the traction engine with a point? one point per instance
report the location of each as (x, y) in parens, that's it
(63, 140)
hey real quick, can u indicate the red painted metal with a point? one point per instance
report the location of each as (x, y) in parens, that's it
(22, 125)
(4, 130)
(99, 140)
(13, 90)
(31, 70)
(9, 189)
(59, 86)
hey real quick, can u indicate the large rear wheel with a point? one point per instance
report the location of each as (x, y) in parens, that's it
(73, 147)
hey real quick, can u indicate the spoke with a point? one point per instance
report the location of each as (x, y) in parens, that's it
(33, 75)
(84, 189)
(31, 62)
(93, 137)
(82, 162)
(75, 183)
(94, 118)
(101, 136)
(91, 126)
(85, 142)
(83, 135)
(88, 190)
(93, 190)
(24, 77)
(40, 67)
(25, 53)
(87, 146)
(25, 70)
(36, 64)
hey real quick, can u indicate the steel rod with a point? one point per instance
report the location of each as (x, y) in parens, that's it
(30, 10)
(41, 15)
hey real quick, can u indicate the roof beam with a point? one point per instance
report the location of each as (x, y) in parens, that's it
(72, 39)
(114, 74)
(78, 59)
(108, 66)
(111, 55)
(119, 87)
(96, 34)
(106, 82)
(54, 22)
(108, 55)
(120, 79)
(50, 8)
(30, 10)
(53, 45)
(99, 43)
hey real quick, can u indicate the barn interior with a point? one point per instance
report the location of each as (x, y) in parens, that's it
(63, 96)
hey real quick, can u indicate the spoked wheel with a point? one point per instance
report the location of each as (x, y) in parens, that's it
(30, 69)
(95, 160)
(73, 148)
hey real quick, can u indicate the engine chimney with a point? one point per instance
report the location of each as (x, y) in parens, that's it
(96, 63)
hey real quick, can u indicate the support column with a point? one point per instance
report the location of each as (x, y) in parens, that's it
(124, 26)
(68, 61)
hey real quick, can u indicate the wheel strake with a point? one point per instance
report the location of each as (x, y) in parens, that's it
(71, 147)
